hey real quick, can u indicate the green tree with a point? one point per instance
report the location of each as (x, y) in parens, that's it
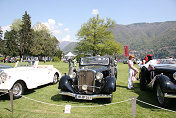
(95, 36)
(26, 33)
(11, 39)
(44, 43)
(11, 43)
(16, 25)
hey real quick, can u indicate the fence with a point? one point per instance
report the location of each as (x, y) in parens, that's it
(132, 99)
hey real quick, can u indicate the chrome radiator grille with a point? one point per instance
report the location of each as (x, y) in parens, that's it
(86, 78)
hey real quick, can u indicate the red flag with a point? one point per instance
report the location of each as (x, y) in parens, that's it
(126, 50)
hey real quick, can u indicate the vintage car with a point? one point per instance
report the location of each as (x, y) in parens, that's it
(160, 77)
(96, 78)
(27, 76)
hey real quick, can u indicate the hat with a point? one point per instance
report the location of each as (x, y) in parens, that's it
(131, 56)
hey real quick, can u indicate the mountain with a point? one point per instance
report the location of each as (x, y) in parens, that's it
(158, 39)
(63, 44)
(69, 48)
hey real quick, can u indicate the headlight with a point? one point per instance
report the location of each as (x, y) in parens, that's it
(3, 77)
(72, 75)
(174, 75)
(99, 76)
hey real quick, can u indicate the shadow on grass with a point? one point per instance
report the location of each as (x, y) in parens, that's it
(27, 91)
(78, 101)
(149, 96)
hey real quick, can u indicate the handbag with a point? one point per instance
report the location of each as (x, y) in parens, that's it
(133, 78)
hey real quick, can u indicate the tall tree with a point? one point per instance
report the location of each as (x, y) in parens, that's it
(26, 35)
(16, 25)
(11, 39)
(44, 43)
(95, 36)
(11, 43)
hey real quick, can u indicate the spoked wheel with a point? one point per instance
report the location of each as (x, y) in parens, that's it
(160, 96)
(18, 89)
(55, 79)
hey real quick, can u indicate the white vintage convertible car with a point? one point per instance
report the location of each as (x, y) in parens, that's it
(23, 77)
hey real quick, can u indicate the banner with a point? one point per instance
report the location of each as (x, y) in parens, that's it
(126, 50)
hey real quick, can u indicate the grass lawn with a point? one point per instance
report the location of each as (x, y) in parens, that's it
(24, 108)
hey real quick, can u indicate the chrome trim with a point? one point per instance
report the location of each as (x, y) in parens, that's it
(88, 86)
(4, 90)
(93, 96)
(169, 95)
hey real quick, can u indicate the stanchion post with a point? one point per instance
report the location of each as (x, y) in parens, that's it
(133, 104)
(11, 100)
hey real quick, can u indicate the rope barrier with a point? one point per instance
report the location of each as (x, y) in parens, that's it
(103, 104)
(95, 105)
(155, 106)
(42, 102)
(75, 106)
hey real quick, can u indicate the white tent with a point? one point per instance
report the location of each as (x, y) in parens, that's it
(70, 55)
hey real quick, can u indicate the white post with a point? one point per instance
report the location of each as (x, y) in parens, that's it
(133, 103)
(11, 99)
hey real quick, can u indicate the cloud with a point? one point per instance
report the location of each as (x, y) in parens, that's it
(66, 29)
(51, 21)
(66, 38)
(50, 24)
(95, 11)
(60, 24)
(56, 32)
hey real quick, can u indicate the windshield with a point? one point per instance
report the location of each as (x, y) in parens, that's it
(94, 61)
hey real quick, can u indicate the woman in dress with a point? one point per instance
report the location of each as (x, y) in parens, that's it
(132, 72)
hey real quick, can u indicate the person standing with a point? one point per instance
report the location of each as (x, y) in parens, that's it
(69, 62)
(132, 72)
(74, 62)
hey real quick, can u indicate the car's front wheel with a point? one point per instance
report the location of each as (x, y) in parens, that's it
(160, 96)
(18, 90)
(55, 79)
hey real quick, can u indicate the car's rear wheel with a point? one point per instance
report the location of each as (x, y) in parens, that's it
(160, 96)
(18, 89)
(55, 79)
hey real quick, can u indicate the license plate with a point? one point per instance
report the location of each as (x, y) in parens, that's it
(84, 97)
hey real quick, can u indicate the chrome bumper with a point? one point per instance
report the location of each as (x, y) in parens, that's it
(4, 90)
(170, 95)
(92, 96)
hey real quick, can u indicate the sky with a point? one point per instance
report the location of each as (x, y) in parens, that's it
(65, 17)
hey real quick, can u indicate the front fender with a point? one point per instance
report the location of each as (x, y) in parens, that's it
(110, 84)
(166, 85)
(65, 84)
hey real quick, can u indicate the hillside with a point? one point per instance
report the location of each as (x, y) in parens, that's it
(69, 48)
(158, 39)
(62, 44)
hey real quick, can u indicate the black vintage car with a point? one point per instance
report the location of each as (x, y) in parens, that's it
(161, 77)
(96, 78)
